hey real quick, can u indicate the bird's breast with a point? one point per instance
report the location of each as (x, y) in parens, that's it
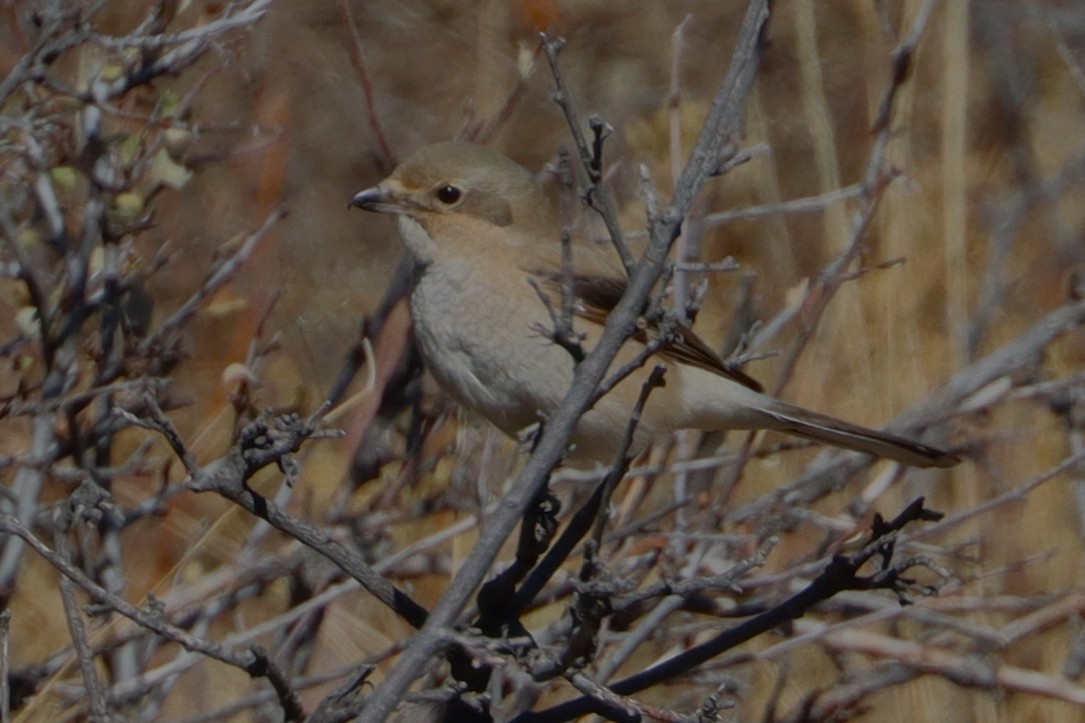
(480, 341)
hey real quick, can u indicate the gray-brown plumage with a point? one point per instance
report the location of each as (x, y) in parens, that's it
(481, 229)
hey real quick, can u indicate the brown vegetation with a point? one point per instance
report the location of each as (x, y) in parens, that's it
(183, 288)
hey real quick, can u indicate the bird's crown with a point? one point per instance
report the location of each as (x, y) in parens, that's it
(470, 179)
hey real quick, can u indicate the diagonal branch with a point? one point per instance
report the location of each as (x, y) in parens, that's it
(723, 122)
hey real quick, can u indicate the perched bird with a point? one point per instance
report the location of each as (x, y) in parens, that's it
(481, 230)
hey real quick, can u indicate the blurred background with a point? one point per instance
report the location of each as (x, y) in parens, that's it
(979, 237)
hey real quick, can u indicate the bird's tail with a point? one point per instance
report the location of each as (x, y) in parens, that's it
(822, 428)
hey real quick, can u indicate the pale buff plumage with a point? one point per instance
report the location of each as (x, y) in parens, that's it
(479, 228)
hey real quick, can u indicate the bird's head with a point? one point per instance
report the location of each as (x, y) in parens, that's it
(461, 187)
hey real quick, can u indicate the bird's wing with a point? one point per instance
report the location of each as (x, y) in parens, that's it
(597, 295)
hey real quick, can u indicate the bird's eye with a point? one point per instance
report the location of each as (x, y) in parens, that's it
(448, 194)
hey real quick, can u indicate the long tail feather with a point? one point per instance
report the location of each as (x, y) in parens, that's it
(822, 428)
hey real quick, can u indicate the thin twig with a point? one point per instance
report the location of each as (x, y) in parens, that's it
(253, 662)
(598, 194)
(222, 274)
(99, 704)
(361, 67)
(5, 665)
(723, 121)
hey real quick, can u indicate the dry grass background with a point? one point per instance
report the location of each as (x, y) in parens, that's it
(995, 109)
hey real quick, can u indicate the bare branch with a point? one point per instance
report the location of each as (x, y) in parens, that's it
(723, 120)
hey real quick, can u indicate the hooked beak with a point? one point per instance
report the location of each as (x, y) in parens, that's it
(376, 199)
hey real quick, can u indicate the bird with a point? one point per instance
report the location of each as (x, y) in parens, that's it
(488, 276)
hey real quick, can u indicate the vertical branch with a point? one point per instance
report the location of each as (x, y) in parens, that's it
(99, 706)
(25, 490)
(361, 67)
(684, 440)
(5, 665)
(598, 194)
(674, 102)
(876, 179)
(955, 52)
